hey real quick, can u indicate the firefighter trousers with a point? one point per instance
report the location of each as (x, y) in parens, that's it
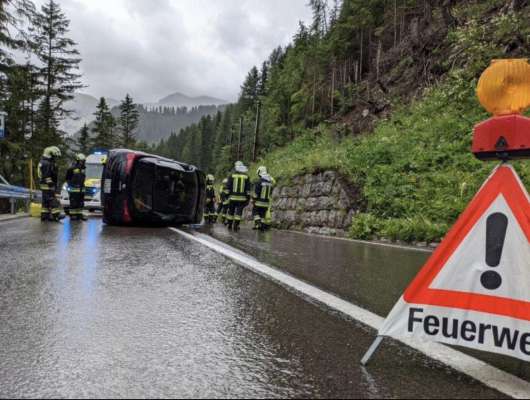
(77, 203)
(235, 210)
(50, 205)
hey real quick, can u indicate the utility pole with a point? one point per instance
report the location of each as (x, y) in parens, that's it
(239, 138)
(231, 142)
(256, 131)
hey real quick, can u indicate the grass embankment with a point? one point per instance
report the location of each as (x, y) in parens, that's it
(416, 171)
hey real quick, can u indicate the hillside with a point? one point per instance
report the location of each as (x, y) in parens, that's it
(383, 93)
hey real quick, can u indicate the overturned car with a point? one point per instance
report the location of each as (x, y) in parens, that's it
(144, 189)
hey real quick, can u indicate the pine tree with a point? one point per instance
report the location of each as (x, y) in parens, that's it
(57, 77)
(263, 77)
(104, 126)
(250, 90)
(12, 15)
(129, 119)
(83, 143)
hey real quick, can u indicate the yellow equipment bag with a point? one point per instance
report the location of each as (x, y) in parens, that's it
(35, 210)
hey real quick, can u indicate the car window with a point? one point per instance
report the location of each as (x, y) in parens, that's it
(142, 192)
(173, 191)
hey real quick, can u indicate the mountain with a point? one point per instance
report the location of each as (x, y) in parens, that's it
(157, 120)
(83, 107)
(178, 99)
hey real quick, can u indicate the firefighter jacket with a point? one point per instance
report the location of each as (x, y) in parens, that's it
(239, 187)
(75, 178)
(210, 194)
(47, 173)
(225, 194)
(262, 194)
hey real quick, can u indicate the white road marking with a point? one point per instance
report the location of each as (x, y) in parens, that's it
(487, 374)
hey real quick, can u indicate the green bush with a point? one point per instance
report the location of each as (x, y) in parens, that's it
(365, 226)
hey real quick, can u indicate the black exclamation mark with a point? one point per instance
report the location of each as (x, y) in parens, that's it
(496, 227)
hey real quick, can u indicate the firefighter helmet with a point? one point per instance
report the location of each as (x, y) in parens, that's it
(210, 178)
(262, 171)
(51, 152)
(80, 157)
(240, 167)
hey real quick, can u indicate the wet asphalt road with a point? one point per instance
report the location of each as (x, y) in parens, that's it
(88, 310)
(370, 276)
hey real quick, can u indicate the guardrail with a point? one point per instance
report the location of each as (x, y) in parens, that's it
(14, 193)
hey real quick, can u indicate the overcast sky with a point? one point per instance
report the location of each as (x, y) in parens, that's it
(151, 48)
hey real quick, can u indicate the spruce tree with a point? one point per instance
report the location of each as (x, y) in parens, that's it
(104, 126)
(58, 78)
(129, 119)
(250, 90)
(83, 143)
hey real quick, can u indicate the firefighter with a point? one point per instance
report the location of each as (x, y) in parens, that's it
(210, 214)
(222, 208)
(75, 179)
(239, 195)
(47, 173)
(261, 199)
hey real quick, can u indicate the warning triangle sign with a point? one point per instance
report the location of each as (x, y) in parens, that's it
(475, 289)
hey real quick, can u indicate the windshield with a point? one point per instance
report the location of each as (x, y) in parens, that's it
(94, 171)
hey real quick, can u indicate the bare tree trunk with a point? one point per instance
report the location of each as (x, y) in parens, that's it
(378, 58)
(369, 58)
(395, 23)
(314, 93)
(361, 57)
(239, 138)
(402, 27)
(332, 99)
(256, 132)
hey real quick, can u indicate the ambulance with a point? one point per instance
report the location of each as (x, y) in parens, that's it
(94, 171)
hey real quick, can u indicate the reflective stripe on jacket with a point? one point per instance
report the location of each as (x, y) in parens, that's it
(239, 187)
(47, 173)
(263, 192)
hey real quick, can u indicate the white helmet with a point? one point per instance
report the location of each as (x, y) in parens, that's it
(240, 167)
(80, 157)
(262, 171)
(51, 152)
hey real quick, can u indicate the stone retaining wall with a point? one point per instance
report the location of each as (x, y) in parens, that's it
(322, 203)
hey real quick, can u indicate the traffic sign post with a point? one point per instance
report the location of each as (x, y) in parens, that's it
(2, 124)
(474, 291)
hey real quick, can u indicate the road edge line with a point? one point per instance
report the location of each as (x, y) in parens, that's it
(481, 371)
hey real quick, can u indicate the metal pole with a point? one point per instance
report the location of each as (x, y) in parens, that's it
(12, 201)
(239, 138)
(232, 143)
(256, 131)
(371, 350)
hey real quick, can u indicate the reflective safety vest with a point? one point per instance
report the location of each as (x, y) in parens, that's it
(75, 178)
(263, 192)
(47, 174)
(210, 194)
(239, 187)
(225, 194)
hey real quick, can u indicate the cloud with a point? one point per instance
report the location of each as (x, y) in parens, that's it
(152, 48)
